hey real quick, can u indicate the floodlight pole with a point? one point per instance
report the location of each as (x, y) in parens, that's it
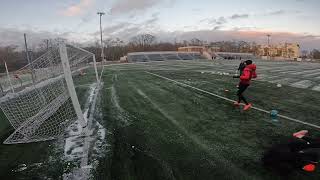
(28, 57)
(268, 55)
(47, 43)
(102, 48)
(8, 76)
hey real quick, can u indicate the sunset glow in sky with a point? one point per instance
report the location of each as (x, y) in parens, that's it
(76, 20)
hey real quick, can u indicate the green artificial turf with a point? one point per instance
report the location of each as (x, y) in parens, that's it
(160, 130)
(157, 129)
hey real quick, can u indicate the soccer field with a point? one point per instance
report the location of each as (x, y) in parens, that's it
(174, 120)
(164, 130)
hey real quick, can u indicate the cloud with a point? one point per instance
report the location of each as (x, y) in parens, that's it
(218, 22)
(306, 41)
(152, 21)
(115, 28)
(195, 9)
(248, 28)
(133, 7)
(78, 9)
(14, 36)
(217, 28)
(225, 19)
(127, 6)
(125, 31)
(215, 21)
(239, 16)
(281, 12)
(156, 14)
(312, 36)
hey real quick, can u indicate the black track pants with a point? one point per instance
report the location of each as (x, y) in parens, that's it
(241, 89)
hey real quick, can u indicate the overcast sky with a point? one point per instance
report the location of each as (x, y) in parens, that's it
(76, 20)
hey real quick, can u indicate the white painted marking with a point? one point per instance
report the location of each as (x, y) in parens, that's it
(306, 71)
(283, 80)
(312, 74)
(87, 132)
(281, 70)
(288, 71)
(302, 84)
(316, 88)
(230, 100)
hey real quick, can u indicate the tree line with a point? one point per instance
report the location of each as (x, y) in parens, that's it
(116, 48)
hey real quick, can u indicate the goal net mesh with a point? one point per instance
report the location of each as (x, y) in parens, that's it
(39, 106)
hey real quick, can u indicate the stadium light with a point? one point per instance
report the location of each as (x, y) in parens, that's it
(268, 35)
(28, 56)
(102, 48)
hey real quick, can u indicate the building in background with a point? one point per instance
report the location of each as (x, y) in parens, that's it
(199, 49)
(231, 50)
(289, 51)
(234, 56)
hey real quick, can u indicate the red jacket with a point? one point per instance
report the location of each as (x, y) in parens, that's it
(249, 72)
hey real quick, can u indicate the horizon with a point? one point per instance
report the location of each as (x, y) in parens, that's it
(289, 21)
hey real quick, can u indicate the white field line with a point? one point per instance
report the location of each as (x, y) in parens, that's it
(84, 85)
(122, 64)
(191, 136)
(101, 73)
(230, 100)
(148, 62)
(88, 132)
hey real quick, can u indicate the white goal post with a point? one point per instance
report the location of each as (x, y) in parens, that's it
(44, 102)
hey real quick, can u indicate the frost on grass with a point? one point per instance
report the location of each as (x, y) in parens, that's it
(79, 140)
(286, 81)
(316, 88)
(197, 140)
(123, 115)
(73, 143)
(302, 84)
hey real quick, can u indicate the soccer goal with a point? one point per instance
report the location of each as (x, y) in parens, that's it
(44, 102)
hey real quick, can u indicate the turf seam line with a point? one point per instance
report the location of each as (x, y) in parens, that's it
(101, 73)
(230, 100)
(142, 63)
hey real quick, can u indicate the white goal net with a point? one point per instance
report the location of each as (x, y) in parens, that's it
(43, 102)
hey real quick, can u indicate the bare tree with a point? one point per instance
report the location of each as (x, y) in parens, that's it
(254, 48)
(196, 42)
(143, 41)
(185, 43)
(114, 48)
(315, 54)
(243, 47)
(304, 53)
(14, 58)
